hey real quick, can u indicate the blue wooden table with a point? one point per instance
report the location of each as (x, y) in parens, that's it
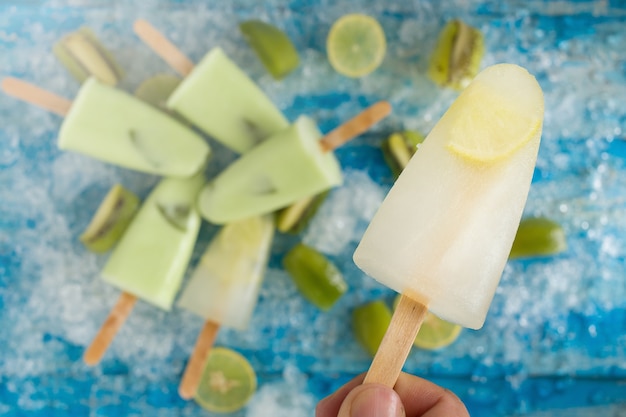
(554, 342)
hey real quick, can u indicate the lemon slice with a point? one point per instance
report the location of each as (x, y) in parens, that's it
(228, 382)
(356, 45)
(435, 333)
(496, 115)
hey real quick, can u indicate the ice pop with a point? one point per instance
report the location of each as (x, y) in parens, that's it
(111, 125)
(443, 233)
(217, 96)
(224, 287)
(317, 175)
(279, 171)
(150, 259)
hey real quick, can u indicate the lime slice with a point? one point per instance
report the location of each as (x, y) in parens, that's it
(356, 45)
(273, 47)
(157, 89)
(538, 236)
(228, 382)
(317, 279)
(496, 115)
(435, 333)
(369, 324)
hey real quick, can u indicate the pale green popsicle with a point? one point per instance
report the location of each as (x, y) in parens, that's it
(221, 100)
(283, 169)
(113, 126)
(151, 258)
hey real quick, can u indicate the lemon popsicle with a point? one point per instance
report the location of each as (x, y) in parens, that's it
(224, 287)
(443, 233)
(287, 167)
(220, 99)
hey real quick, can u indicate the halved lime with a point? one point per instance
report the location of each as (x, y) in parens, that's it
(435, 333)
(272, 45)
(369, 324)
(356, 45)
(316, 277)
(228, 382)
(538, 236)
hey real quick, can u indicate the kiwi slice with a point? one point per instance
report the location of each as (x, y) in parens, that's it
(294, 218)
(398, 149)
(176, 214)
(84, 56)
(538, 236)
(369, 324)
(273, 47)
(110, 220)
(457, 55)
(157, 89)
(317, 279)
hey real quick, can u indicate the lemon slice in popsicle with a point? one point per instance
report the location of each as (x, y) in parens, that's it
(487, 128)
(228, 382)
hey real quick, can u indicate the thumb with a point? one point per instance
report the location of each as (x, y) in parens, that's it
(372, 400)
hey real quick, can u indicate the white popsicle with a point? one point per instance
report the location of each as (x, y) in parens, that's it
(443, 233)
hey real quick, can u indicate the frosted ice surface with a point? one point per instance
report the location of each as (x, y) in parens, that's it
(343, 217)
(284, 398)
(548, 316)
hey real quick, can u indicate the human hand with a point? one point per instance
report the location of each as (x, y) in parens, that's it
(413, 397)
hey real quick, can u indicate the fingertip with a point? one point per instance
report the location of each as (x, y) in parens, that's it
(372, 400)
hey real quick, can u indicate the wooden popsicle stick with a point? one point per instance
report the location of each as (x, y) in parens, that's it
(163, 47)
(193, 372)
(111, 325)
(32, 94)
(355, 126)
(397, 342)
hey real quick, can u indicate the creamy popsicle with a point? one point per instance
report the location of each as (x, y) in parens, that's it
(150, 259)
(221, 100)
(443, 233)
(113, 126)
(287, 167)
(128, 132)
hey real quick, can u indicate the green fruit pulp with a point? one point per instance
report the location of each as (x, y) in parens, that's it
(369, 324)
(317, 279)
(272, 45)
(538, 236)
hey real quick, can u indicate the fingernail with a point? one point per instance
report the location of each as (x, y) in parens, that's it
(373, 400)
